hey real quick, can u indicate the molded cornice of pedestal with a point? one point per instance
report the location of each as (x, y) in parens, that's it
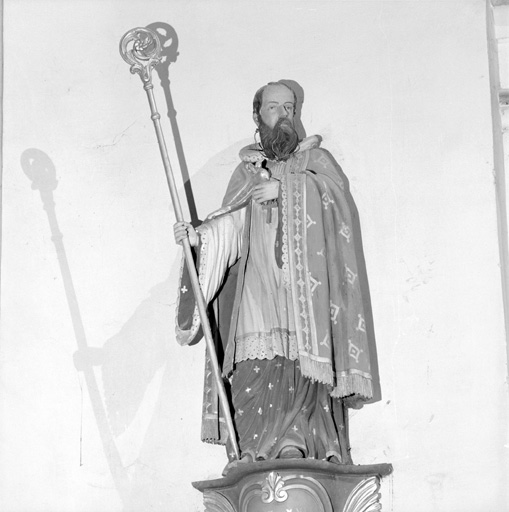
(299, 484)
(320, 466)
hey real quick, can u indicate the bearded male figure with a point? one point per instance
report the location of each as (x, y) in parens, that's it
(279, 263)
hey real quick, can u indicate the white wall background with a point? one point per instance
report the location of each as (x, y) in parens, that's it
(400, 92)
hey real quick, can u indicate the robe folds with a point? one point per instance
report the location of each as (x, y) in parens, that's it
(291, 309)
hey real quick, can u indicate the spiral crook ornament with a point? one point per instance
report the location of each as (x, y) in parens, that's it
(141, 48)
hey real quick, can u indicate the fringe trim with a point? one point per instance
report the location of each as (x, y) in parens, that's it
(316, 370)
(214, 432)
(353, 384)
(212, 441)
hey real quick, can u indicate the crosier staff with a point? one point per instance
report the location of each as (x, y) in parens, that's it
(141, 48)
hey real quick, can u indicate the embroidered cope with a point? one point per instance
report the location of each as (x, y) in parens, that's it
(284, 278)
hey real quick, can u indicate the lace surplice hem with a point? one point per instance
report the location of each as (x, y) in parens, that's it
(266, 345)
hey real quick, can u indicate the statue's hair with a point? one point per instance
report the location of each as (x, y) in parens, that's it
(258, 97)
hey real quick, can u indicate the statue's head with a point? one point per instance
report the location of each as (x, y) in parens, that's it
(274, 107)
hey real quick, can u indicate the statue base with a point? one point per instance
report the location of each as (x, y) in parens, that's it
(295, 485)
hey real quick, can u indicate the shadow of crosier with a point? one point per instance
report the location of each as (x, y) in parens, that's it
(39, 168)
(169, 53)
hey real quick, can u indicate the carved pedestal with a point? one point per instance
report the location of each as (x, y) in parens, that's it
(302, 485)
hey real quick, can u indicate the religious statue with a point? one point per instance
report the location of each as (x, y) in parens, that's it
(279, 265)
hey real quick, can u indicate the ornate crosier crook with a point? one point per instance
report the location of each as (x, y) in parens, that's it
(145, 53)
(141, 48)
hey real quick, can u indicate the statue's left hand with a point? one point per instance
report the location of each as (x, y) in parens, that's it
(266, 191)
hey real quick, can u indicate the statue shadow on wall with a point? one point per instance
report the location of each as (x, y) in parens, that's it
(299, 92)
(128, 362)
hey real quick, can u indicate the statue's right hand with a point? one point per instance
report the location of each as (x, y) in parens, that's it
(183, 230)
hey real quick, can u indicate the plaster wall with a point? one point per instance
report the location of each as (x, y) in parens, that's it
(400, 92)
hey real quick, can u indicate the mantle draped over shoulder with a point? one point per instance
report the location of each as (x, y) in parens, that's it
(321, 262)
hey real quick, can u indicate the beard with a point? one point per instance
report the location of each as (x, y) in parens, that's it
(280, 142)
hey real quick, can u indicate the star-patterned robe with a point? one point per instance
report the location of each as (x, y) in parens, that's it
(298, 335)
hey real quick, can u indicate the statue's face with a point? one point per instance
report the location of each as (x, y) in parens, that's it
(277, 102)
